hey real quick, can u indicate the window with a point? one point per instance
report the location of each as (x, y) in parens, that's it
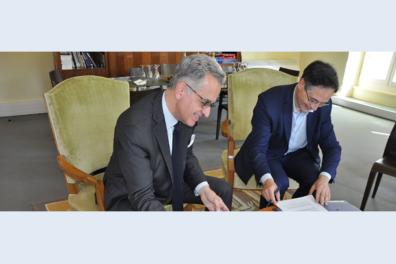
(378, 69)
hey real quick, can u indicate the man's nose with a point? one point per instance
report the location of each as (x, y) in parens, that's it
(314, 107)
(206, 111)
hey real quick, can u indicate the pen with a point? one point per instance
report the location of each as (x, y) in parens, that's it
(276, 190)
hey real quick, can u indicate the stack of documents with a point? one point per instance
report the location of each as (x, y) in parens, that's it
(308, 203)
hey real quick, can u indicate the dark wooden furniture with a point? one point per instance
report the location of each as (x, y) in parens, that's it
(118, 63)
(223, 105)
(136, 95)
(121, 62)
(55, 77)
(68, 73)
(385, 165)
(289, 71)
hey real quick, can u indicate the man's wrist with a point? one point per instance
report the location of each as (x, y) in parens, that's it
(199, 188)
(265, 177)
(326, 175)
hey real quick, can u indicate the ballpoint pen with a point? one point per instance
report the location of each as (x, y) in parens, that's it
(276, 190)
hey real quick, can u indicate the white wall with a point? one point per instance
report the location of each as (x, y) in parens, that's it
(337, 59)
(23, 80)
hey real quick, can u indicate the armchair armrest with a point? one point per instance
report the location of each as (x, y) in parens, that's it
(83, 177)
(226, 132)
(74, 172)
(225, 128)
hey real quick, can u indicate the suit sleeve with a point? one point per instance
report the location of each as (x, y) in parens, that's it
(259, 139)
(329, 145)
(134, 163)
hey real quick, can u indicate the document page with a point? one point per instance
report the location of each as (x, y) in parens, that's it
(306, 203)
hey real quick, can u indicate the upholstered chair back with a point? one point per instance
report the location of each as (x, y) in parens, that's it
(243, 90)
(83, 112)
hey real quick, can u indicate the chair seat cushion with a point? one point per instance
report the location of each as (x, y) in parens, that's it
(85, 199)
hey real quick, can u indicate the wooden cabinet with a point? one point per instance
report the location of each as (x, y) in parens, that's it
(116, 64)
(100, 68)
(120, 62)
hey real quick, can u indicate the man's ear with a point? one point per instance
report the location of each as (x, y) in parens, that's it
(301, 84)
(180, 89)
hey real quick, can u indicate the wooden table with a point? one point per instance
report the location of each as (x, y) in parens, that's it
(271, 208)
(139, 91)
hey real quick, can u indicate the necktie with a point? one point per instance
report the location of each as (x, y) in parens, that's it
(178, 170)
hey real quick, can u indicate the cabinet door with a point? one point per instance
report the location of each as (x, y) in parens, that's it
(120, 62)
(85, 65)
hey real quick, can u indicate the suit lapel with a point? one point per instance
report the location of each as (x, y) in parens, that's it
(160, 132)
(288, 113)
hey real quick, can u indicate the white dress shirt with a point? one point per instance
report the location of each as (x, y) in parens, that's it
(170, 122)
(298, 135)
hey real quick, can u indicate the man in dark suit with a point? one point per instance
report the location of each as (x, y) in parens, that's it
(153, 163)
(289, 123)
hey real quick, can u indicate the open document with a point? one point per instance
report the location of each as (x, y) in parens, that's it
(306, 203)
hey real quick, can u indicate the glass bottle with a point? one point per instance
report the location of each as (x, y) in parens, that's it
(156, 72)
(149, 72)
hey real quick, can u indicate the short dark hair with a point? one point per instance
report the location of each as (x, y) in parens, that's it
(320, 73)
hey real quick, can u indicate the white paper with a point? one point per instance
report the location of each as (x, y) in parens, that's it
(140, 82)
(306, 203)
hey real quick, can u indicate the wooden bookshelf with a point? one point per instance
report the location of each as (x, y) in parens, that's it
(117, 64)
(68, 73)
(121, 62)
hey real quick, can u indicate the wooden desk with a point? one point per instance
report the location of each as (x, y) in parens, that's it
(271, 208)
(139, 91)
(136, 95)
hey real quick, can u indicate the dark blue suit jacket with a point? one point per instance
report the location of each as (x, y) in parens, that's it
(271, 128)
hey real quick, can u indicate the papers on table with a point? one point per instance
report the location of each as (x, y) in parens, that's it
(306, 203)
(140, 82)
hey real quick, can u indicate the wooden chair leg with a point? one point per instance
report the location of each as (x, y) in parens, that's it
(368, 188)
(377, 183)
(218, 121)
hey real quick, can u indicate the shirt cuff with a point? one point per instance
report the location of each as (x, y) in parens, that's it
(199, 187)
(326, 174)
(265, 177)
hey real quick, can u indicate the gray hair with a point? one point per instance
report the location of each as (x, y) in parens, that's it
(194, 68)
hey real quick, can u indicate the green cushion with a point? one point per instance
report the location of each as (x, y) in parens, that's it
(243, 90)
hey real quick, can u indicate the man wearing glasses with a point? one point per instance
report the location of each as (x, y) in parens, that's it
(289, 124)
(153, 164)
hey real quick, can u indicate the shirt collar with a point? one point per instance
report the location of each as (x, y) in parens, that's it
(170, 120)
(295, 107)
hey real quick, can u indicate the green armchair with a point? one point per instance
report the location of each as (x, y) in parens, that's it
(83, 112)
(243, 90)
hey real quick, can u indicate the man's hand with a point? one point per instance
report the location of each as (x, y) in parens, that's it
(322, 188)
(270, 191)
(211, 200)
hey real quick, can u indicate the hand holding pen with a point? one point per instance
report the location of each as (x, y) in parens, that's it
(270, 191)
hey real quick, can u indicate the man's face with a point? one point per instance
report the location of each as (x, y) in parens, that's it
(192, 105)
(311, 98)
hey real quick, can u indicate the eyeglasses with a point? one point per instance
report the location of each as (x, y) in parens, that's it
(205, 102)
(313, 101)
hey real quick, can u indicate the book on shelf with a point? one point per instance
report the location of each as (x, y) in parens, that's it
(82, 60)
(66, 61)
